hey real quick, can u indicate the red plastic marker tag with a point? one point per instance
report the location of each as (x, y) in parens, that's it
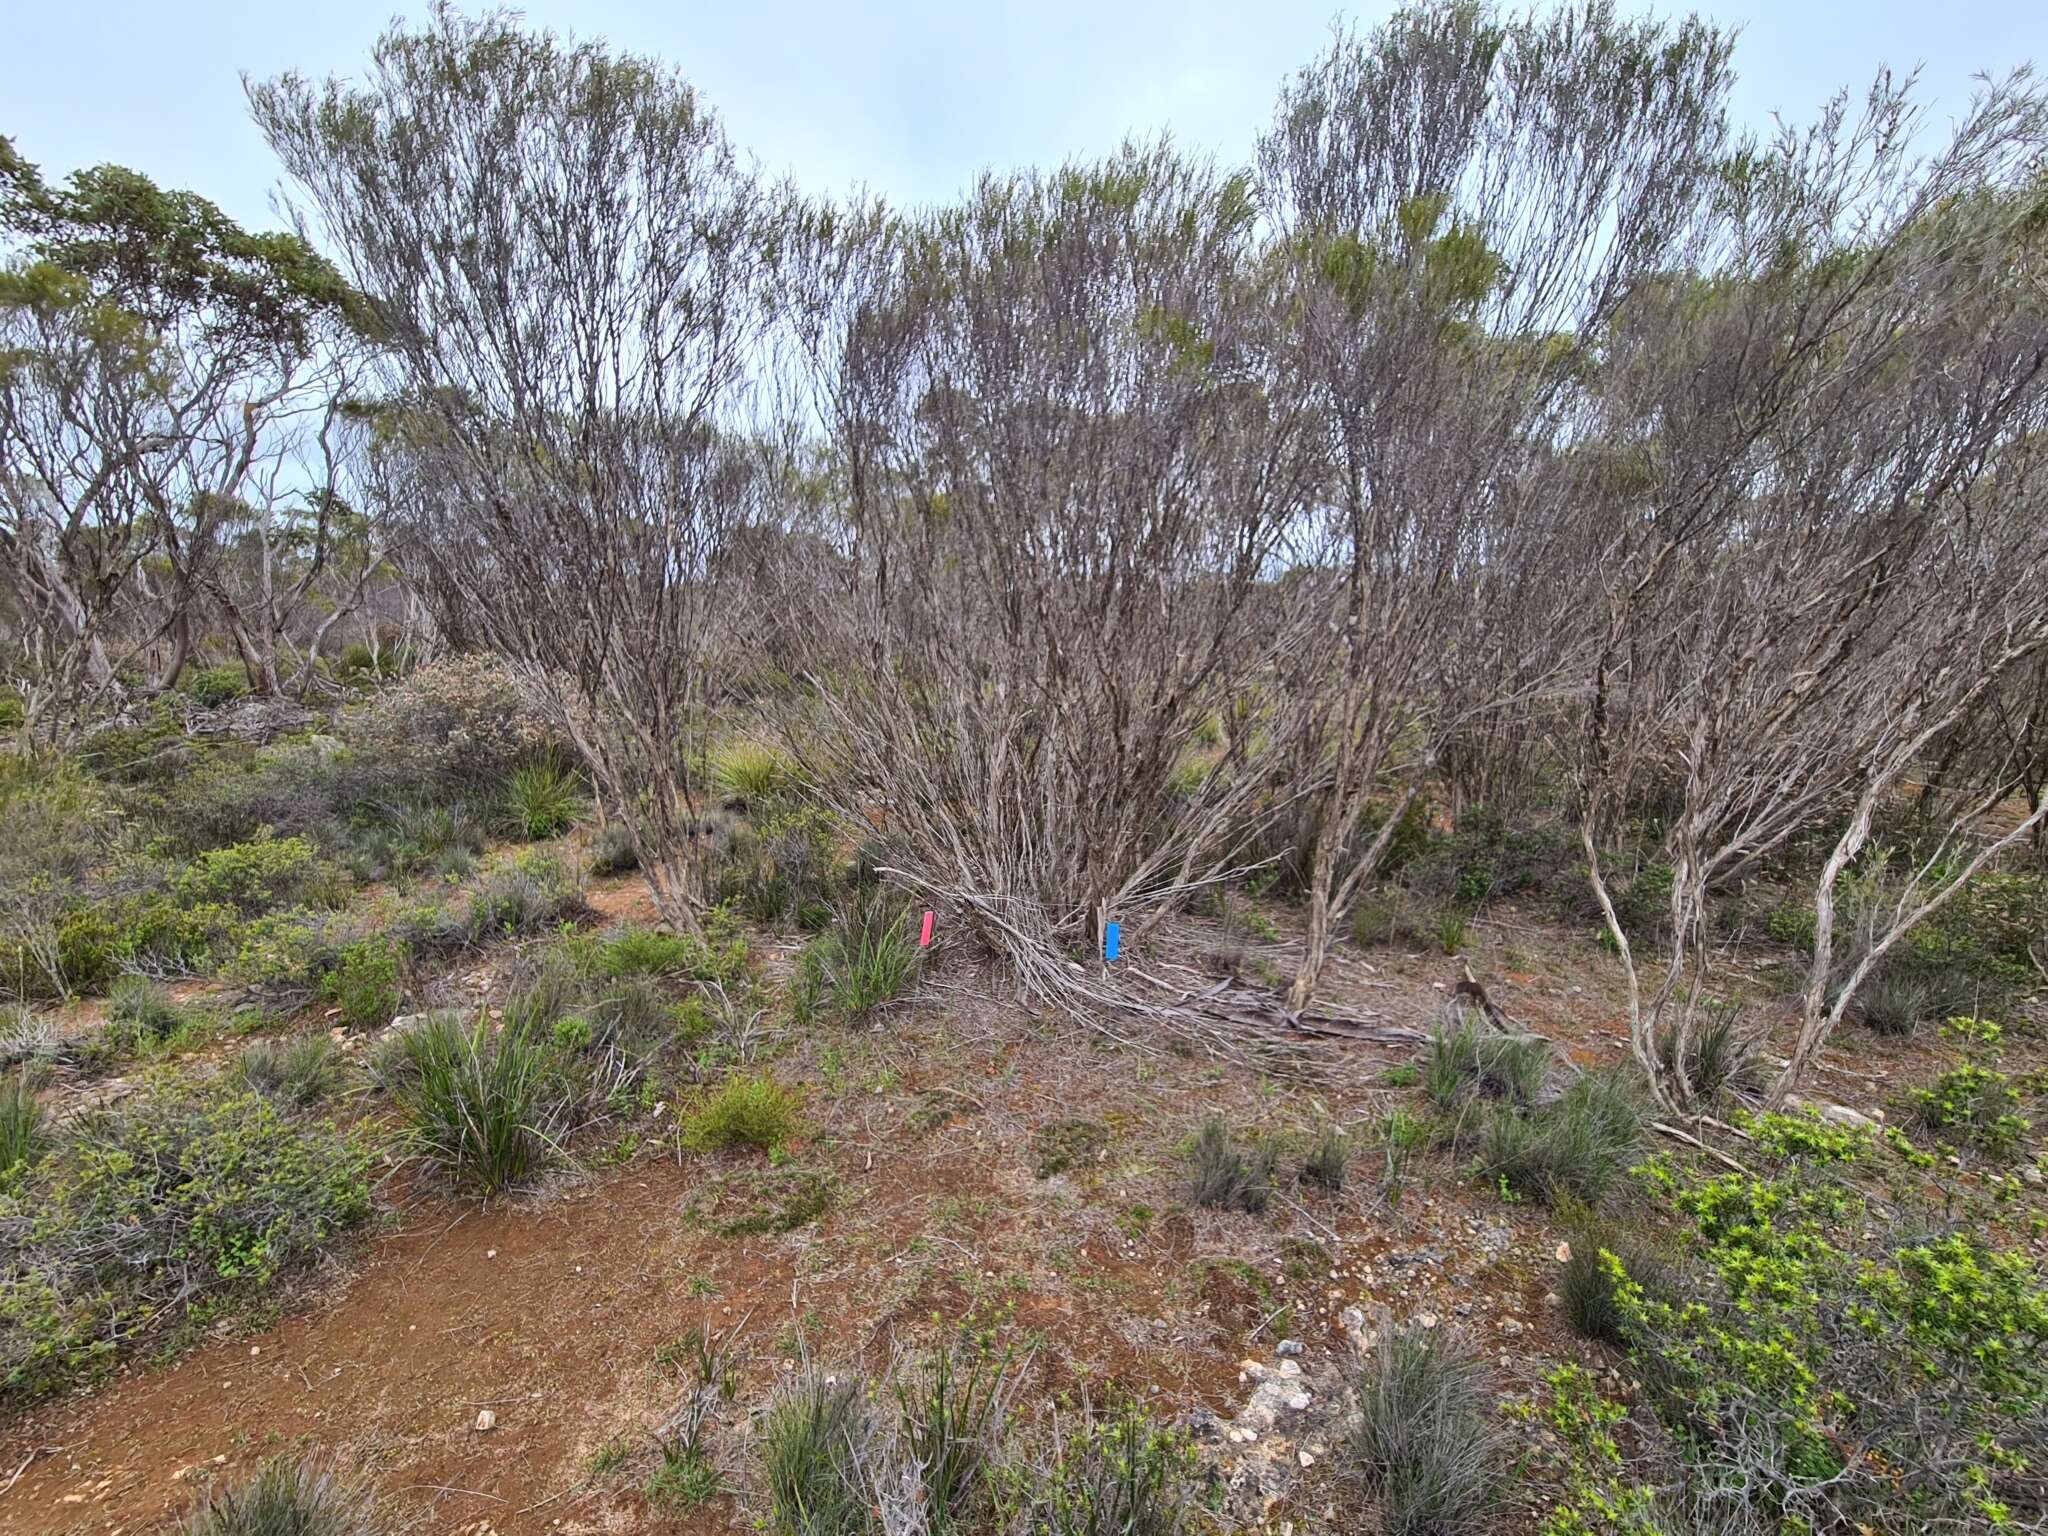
(924, 939)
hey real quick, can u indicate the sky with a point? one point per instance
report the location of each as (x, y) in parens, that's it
(911, 100)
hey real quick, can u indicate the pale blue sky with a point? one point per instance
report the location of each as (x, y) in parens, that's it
(912, 99)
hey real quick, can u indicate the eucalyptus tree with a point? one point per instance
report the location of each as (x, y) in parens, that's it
(1465, 198)
(1071, 449)
(149, 349)
(565, 256)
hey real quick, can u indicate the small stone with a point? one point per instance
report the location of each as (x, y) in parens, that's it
(1564, 1253)
(485, 1420)
(255, 1350)
(1511, 1328)
(1552, 1299)
(1289, 1349)
(1290, 1367)
(1299, 1402)
(1427, 1319)
(1251, 1370)
(1304, 1458)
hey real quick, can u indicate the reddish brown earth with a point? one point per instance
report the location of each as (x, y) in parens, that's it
(549, 1311)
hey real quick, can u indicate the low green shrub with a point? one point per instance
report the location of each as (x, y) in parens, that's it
(259, 876)
(1602, 1257)
(1221, 1174)
(1121, 1475)
(785, 870)
(753, 1112)
(174, 1199)
(1975, 1103)
(364, 983)
(718, 956)
(683, 1479)
(614, 852)
(287, 1498)
(529, 894)
(211, 687)
(1427, 1444)
(750, 772)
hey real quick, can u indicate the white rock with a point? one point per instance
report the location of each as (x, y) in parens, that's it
(485, 1419)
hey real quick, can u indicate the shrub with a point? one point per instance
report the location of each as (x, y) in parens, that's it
(1893, 1003)
(1819, 1373)
(258, 876)
(542, 799)
(745, 1112)
(615, 852)
(1576, 1146)
(284, 956)
(1471, 1060)
(1975, 1102)
(1327, 1160)
(461, 726)
(26, 1037)
(1221, 1174)
(364, 983)
(482, 1105)
(816, 1442)
(416, 835)
(299, 1072)
(648, 952)
(1601, 1259)
(786, 871)
(21, 1122)
(530, 894)
(1123, 1476)
(286, 1498)
(169, 1200)
(1427, 1444)
(211, 687)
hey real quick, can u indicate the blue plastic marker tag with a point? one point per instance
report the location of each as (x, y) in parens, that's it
(1112, 939)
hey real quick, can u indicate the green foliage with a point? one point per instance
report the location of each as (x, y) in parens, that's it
(1450, 930)
(866, 959)
(1977, 1104)
(298, 1072)
(1222, 1174)
(459, 728)
(21, 1122)
(1426, 1443)
(156, 1206)
(259, 876)
(531, 893)
(145, 1010)
(482, 1105)
(1601, 1257)
(1799, 1333)
(211, 687)
(1469, 1060)
(364, 983)
(751, 772)
(950, 1409)
(814, 1443)
(1596, 1498)
(684, 1479)
(753, 1112)
(1327, 1160)
(283, 956)
(286, 1498)
(1064, 1144)
(1574, 1147)
(542, 799)
(1718, 1058)
(1119, 1476)
(719, 955)
(785, 870)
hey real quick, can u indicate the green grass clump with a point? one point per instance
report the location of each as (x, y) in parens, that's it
(753, 1112)
(1121, 1476)
(542, 799)
(1718, 1059)
(1427, 1444)
(1222, 1174)
(868, 957)
(817, 1441)
(1976, 1103)
(750, 771)
(615, 852)
(484, 1105)
(720, 955)
(300, 1071)
(144, 1010)
(1327, 1160)
(286, 1498)
(21, 1122)
(684, 1479)
(1575, 1147)
(1471, 1061)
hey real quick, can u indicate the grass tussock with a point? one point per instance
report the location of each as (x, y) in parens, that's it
(21, 1122)
(756, 1112)
(816, 1442)
(1467, 1061)
(287, 1498)
(1222, 1174)
(1576, 1147)
(479, 1103)
(299, 1072)
(1428, 1445)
